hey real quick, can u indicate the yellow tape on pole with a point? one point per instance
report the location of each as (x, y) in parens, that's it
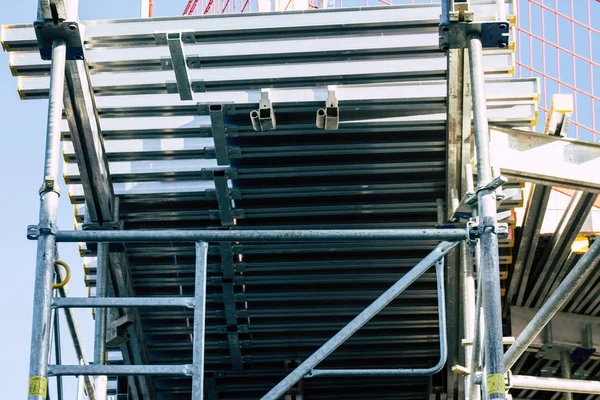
(38, 386)
(495, 384)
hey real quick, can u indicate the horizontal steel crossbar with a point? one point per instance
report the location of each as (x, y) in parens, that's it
(452, 234)
(119, 370)
(107, 302)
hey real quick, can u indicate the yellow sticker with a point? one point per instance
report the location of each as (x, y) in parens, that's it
(38, 386)
(495, 384)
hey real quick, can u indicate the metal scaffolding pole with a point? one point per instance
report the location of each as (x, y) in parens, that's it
(563, 293)
(46, 247)
(486, 198)
(210, 235)
(565, 369)
(554, 384)
(474, 391)
(101, 314)
(359, 321)
(199, 321)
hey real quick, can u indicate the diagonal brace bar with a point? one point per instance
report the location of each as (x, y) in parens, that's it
(359, 321)
(439, 271)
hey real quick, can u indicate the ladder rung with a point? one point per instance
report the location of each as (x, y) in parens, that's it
(93, 302)
(113, 370)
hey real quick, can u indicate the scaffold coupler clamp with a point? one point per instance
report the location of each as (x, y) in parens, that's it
(49, 185)
(460, 25)
(56, 21)
(477, 227)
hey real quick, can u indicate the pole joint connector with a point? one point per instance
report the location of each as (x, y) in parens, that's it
(34, 231)
(49, 185)
(487, 225)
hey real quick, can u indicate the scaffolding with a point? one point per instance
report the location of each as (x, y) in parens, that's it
(251, 193)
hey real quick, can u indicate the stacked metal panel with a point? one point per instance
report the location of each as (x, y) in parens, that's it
(200, 163)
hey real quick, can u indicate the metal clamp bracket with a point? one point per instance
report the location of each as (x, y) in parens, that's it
(328, 118)
(71, 32)
(49, 185)
(493, 34)
(263, 119)
(493, 184)
(476, 229)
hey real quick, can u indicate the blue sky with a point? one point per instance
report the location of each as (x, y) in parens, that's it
(21, 159)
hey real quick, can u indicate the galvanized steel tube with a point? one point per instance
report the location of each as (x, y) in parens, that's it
(439, 270)
(100, 313)
(474, 390)
(199, 321)
(561, 295)
(120, 370)
(501, 14)
(359, 321)
(554, 384)
(445, 15)
(208, 235)
(107, 302)
(486, 201)
(46, 246)
(565, 369)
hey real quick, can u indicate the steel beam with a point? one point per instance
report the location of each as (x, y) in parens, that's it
(350, 21)
(532, 224)
(548, 160)
(563, 293)
(559, 247)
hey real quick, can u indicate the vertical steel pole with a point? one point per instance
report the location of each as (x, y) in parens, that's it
(474, 392)
(565, 368)
(100, 323)
(199, 321)
(57, 353)
(490, 273)
(80, 387)
(46, 245)
(470, 316)
(101, 291)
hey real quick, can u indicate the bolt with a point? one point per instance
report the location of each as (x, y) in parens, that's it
(444, 47)
(78, 57)
(39, 27)
(445, 28)
(501, 45)
(502, 26)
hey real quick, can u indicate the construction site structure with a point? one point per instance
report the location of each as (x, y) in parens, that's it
(317, 204)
